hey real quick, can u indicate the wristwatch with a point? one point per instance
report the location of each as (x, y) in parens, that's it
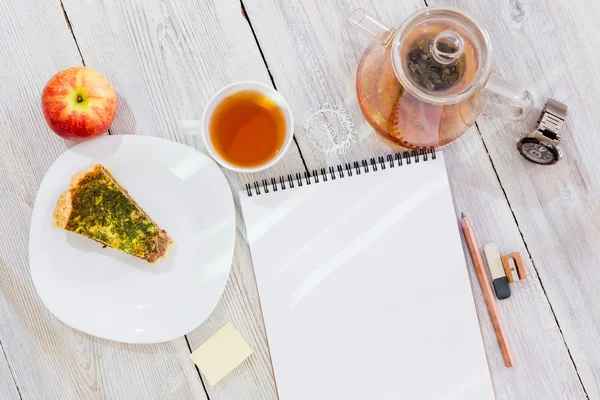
(542, 146)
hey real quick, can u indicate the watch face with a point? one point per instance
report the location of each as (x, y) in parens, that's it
(537, 151)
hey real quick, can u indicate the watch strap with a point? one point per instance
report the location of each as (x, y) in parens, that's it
(551, 119)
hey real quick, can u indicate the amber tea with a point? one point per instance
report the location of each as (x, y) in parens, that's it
(400, 117)
(423, 83)
(247, 129)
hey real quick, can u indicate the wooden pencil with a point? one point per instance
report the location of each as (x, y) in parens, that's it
(486, 289)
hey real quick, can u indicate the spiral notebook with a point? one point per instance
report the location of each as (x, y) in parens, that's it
(363, 283)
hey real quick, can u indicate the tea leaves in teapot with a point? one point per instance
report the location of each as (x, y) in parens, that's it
(427, 72)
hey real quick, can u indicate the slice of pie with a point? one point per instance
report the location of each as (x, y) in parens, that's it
(98, 207)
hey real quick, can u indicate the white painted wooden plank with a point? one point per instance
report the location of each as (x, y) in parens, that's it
(48, 359)
(168, 59)
(165, 63)
(550, 47)
(8, 389)
(543, 368)
(313, 59)
(253, 379)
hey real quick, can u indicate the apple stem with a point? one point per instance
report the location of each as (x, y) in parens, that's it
(79, 98)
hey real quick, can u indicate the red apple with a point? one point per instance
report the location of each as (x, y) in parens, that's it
(79, 103)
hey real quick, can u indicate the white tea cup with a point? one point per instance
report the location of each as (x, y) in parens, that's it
(202, 128)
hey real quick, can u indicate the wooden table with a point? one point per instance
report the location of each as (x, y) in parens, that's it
(166, 58)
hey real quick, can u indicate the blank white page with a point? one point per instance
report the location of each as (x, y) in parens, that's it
(364, 288)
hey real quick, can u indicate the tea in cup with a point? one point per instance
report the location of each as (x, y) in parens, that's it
(247, 126)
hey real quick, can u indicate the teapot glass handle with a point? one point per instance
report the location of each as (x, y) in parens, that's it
(517, 94)
(360, 19)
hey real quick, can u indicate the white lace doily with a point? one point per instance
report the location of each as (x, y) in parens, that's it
(330, 130)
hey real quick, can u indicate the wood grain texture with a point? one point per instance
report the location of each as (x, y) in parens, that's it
(547, 46)
(48, 359)
(8, 389)
(542, 368)
(166, 59)
(314, 42)
(166, 62)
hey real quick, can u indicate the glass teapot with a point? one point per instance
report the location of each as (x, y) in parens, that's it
(422, 85)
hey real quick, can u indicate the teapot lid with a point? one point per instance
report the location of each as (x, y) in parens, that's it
(441, 55)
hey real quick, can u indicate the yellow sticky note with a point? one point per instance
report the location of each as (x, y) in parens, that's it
(220, 354)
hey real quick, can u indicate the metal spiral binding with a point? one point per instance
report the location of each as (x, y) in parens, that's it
(340, 171)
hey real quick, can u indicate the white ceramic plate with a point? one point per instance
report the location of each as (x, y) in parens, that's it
(109, 294)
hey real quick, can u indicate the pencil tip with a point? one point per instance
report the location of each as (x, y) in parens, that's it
(462, 215)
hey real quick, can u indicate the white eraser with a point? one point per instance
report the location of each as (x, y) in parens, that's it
(492, 256)
(221, 354)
